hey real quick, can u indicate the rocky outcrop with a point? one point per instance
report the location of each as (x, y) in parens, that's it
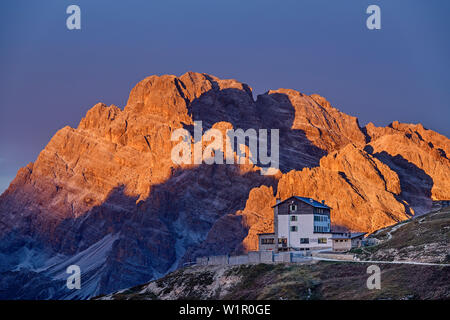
(108, 189)
(365, 191)
(420, 158)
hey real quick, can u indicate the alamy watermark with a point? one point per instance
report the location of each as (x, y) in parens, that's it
(374, 280)
(228, 148)
(74, 280)
(373, 22)
(73, 22)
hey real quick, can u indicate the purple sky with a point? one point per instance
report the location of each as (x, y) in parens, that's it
(50, 76)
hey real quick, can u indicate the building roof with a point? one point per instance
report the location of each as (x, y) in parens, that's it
(310, 201)
(357, 234)
(339, 236)
(345, 235)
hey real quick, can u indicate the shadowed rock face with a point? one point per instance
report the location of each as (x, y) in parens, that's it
(108, 197)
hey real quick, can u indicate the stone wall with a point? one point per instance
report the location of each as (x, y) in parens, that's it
(253, 257)
(336, 256)
(234, 260)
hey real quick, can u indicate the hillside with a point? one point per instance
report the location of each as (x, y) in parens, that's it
(424, 239)
(322, 280)
(107, 196)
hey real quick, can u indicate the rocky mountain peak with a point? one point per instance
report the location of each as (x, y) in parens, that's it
(109, 186)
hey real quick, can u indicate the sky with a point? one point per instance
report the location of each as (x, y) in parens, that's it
(50, 76)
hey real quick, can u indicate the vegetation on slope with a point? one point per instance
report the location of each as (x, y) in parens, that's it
(423, 239)
(323, 280)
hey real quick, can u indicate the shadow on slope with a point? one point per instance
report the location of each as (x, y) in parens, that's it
(415, 184)
(269, 111)
(121, 243)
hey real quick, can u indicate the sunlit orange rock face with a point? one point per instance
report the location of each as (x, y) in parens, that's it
(113, 176)
(413, 144)
(396, 174)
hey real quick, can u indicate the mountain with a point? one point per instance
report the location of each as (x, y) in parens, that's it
(108, 197)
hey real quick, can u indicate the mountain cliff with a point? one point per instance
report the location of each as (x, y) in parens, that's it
(107, 196)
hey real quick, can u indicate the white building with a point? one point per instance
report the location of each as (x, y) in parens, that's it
(299, 224)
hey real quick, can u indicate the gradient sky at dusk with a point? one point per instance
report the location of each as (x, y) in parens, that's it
(50, 76)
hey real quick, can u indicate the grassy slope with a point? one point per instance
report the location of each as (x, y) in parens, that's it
(424, 239)
(323, 280)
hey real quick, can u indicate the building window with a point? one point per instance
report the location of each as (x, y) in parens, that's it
(304, 240)
(320, 229)
(292, 207)
(268, 241)
(294, 228)
(293, 218)
(320, 218)
(322, 240)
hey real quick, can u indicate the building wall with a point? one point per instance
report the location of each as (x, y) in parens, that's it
(302, 208)
(342, 244)
(267, 246)
(305, 229)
